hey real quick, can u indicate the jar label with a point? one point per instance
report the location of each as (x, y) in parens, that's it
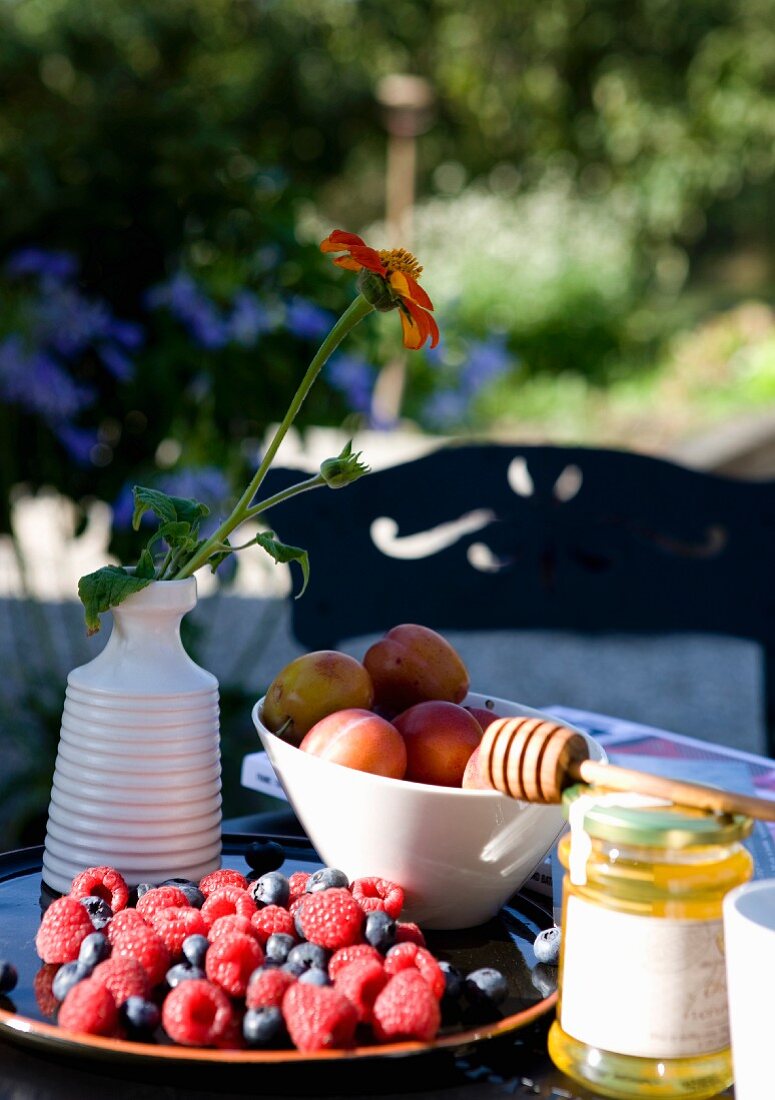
(650, 987)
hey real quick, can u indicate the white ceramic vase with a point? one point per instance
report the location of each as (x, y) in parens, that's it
(137, 781)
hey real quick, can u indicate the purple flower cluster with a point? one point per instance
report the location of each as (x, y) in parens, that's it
(486, 361)
(242, 321)
(53, 326)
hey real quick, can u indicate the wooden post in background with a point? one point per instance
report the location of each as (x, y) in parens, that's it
(407, 103)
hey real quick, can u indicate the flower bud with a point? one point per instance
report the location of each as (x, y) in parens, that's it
(344, 469)
(376, 291)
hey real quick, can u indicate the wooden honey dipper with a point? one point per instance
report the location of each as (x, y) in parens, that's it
(535, 759)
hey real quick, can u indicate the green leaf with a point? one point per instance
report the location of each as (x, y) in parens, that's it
(106, 588)
(145, 566)
(285, 554)
(168, 509)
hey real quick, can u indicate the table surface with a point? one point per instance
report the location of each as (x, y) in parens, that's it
(515, 1065)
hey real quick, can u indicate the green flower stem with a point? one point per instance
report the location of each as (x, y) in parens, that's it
(292, 491)
(242, 511)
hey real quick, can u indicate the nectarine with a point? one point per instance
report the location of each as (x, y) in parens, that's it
(358, 739)
(312, 686)
(413, 664)
(439, 738)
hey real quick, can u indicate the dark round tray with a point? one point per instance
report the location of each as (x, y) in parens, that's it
(505, 943)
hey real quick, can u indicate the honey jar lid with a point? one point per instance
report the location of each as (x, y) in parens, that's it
(651, 822)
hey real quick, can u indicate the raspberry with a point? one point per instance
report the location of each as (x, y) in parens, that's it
(346, 955)
(65, 925)
(406, 1009)
(216, 880)
(361, 982)
(331, 918)
(89, 1007)
(41, 985)
(408, 932)
(227, 899)
(318, 1017)
(232, 922)
(267, 988)
(101, 882)
(295, 905)
(161, 897)
(408, 956)
(144, 944)
(298, 884)
(198, 1014)
(123, 977)
(273, 918)
(127, 918)
(378, 893)
(176, 924)
(230, 961)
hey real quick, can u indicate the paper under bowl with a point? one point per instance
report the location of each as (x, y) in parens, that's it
(459, 854)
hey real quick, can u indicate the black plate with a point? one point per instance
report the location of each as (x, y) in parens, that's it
(505, 943)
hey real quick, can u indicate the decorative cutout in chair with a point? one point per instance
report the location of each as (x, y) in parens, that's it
(501, 537)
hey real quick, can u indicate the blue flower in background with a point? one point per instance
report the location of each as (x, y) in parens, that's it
(307, 320)
(354, 378)
(40, 261)
(204, 483)
(78, 442)
(189, 304)
(34, 381)
(487, 360)
(249, 319)
(445, 408)
(53, 326)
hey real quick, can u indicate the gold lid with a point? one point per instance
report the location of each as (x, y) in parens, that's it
(656, 826)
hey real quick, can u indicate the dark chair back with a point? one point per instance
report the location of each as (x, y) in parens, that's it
(503, 537)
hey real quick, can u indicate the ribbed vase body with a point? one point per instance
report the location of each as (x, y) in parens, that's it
(137, 781)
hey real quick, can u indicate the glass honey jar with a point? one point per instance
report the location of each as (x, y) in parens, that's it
(642, 1009)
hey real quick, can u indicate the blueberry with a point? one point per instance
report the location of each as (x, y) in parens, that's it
(182, 972)
(263, 1027)
(99, 911)
(453, 980)
(380, 930)
(544, 978)
(304, 956)
(67, 976)
(94, 948)
(547, 946)
(278, 945)
(8, 976)
(272, 888)
(264, 856)
(325, 879)
(486, 985)
(314, 976)
(298, 925)
(143, 888)
(194, 895)
(194, 949)
(139, 1017)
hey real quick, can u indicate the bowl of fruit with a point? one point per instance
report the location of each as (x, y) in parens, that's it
(379, 761)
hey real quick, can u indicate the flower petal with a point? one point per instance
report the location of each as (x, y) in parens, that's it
(339, 241)
(418, 325)
(409, 288)
(348, 263)
(368, 257)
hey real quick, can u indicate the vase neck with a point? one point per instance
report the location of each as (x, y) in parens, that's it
(144, 653)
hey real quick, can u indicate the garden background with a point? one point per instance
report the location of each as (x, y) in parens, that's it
(592, 200)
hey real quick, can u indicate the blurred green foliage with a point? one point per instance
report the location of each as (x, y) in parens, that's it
(584, 164)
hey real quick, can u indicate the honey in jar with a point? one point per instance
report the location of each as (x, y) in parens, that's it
(642, 1009)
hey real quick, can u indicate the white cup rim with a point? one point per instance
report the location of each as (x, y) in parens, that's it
(746, 904)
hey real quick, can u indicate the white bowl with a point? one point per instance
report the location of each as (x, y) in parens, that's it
(458, 854)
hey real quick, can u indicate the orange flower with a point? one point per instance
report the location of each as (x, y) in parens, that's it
(395, 286)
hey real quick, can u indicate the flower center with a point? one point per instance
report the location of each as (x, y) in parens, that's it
(398, 259)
